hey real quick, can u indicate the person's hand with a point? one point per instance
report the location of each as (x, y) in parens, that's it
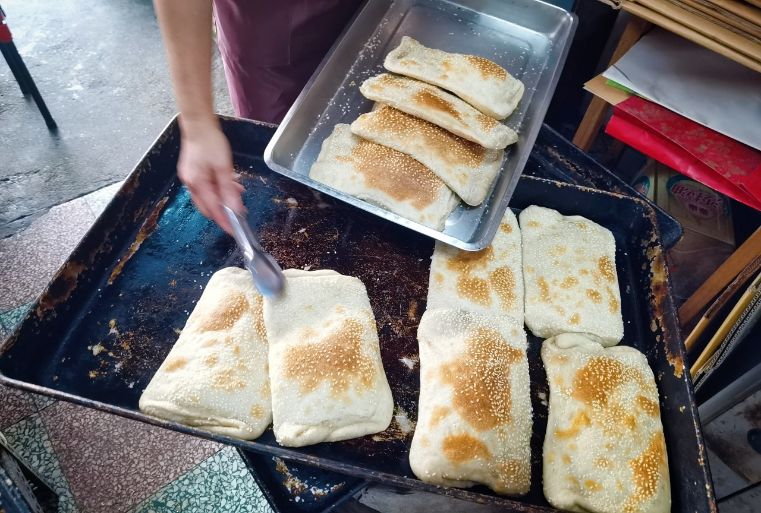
(205, 166)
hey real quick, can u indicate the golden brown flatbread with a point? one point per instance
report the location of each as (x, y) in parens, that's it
(604, 451)
(479, 81)
(569, 271)
(215, 377)
(438, 107)
(466, 167)
(328, 382)
(474, 414)
(384, 177)
(489, 282)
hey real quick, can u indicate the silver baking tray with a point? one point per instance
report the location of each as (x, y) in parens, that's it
(529, 38)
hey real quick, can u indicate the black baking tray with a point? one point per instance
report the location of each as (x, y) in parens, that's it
(134, 278)
(294, 488)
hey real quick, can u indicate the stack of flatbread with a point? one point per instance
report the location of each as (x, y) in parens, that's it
(433, 139)
(474, 415)
(604, 450)
(308, 361)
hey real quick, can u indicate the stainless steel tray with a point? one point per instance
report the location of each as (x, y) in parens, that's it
(529, 38)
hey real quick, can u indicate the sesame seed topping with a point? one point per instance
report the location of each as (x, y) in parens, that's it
(396, 174)
(398, 124)
(611, 401)
(336, 358)
(487, 68)
(437, 106)
(428, 98)
(607, 268)
(481, 379)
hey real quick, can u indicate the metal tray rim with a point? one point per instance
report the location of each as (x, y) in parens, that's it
(253, 446)
(96, 225)
(668, 240)
(271, 497)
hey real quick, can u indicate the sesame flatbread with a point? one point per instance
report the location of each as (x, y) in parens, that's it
(215, 377)
(384, 177)
(474, 414)
(440, 108)
(328, 382)
(479, 81)
(466, 167)
(569, 272)
(604, 451)
(489, 282)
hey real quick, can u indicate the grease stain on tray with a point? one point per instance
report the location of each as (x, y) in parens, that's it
(293, 484)
(61, 287)
(400, 429)
(410, 361)
(660, 301)
(148, 226)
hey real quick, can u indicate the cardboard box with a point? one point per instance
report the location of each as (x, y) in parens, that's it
(695, 206)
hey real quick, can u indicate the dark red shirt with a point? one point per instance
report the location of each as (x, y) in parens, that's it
(270, 48)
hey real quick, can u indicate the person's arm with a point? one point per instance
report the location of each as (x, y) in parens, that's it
(205, 163)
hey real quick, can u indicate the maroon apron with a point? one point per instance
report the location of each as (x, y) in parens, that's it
(270, 48)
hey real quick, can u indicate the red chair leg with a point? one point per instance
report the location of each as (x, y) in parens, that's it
(32, 87)
(21, 73)
(13, 65)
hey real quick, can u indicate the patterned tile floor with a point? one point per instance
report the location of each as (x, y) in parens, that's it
(95, 461)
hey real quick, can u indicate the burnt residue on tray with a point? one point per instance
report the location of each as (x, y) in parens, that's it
(661, 304)
(145, 231)
(64, 283)
(290, 487)
(678, 410)
(101, 343)
(126, 353)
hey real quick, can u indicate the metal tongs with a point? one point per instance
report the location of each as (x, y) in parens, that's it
(268, 277)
